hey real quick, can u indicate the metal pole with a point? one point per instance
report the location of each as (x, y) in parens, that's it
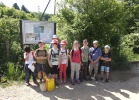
(45, 9)
(54, 7)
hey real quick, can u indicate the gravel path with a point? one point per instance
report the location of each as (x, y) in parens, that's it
(126, 88)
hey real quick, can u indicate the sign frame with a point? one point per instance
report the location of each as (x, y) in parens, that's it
(37, 29)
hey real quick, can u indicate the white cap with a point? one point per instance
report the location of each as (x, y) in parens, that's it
(95, 42)
(107, 46)
(55, 36)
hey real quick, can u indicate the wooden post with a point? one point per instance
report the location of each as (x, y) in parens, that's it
(21, 34)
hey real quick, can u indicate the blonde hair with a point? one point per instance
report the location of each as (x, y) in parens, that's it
(76, 42)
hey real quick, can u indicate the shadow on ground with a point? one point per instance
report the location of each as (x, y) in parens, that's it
(123, 86)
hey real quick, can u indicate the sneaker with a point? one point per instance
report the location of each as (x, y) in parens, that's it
(78, 81)
(27, 84)
(101, 78)
(35, 82)
(107, 80)
(72, 82)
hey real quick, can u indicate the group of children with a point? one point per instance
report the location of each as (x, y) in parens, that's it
(58, 57)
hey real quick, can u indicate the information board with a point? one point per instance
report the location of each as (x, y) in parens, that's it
(34, 31)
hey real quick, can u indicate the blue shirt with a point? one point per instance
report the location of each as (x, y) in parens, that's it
(96, 54)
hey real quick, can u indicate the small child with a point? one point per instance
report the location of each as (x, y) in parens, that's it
(63, 61)
(53, 60)
(85, 58)
(29, 61)
(75, 58)
(106, 61)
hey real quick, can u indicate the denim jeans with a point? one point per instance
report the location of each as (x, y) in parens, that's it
(29, 73)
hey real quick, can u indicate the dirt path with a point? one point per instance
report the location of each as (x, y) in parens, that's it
(124, 86)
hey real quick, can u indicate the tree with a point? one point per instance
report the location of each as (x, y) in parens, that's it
(10, 36)
(23, 8)
(15, 5)
(102, 20)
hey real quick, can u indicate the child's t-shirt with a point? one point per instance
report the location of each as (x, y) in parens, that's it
(76, 57)
(41, 53)
(106, 55)
(30, 60)
(63, 56)
(86, 53)
(54, 56)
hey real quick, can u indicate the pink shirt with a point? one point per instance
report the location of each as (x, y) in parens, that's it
(76, 56)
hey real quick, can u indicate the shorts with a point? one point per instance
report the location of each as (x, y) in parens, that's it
(41, 67)
(107, 69)
(55, 69)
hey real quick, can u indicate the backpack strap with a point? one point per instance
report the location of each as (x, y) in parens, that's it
(51, 53)
(37, 52)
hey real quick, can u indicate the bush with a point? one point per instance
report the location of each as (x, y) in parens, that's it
(14, 71)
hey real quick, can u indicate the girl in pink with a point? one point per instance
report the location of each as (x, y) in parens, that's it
(75, 58)
(63, 61)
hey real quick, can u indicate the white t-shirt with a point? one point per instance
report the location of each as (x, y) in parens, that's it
(63, 56)
(54, 56)
(31, 59)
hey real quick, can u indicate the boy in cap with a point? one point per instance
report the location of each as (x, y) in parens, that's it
(41, 56)
(94, 55)
(85, 51)
(106, 62)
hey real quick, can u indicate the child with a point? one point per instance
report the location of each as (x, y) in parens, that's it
(94, 55)
(53, 60)
(29, 61)
(55, 37)
(63, 61)
(75, 58)
(41, 56)
(83, 71)
(106, 61)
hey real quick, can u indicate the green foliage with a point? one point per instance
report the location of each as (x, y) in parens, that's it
(102, 20)
(10, 42)
(130, 46)
(14, 72)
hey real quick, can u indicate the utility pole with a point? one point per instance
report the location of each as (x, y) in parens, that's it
(45, 9)
(54, 7)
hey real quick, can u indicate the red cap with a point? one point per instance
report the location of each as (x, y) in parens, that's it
(54, 41)
(63, 42)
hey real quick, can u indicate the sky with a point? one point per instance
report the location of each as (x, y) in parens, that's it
(32, 5)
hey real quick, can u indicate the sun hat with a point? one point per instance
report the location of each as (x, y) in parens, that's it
(107, 46)
(95, 42)
(54, 41)
(63, 42)
(55, 37)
